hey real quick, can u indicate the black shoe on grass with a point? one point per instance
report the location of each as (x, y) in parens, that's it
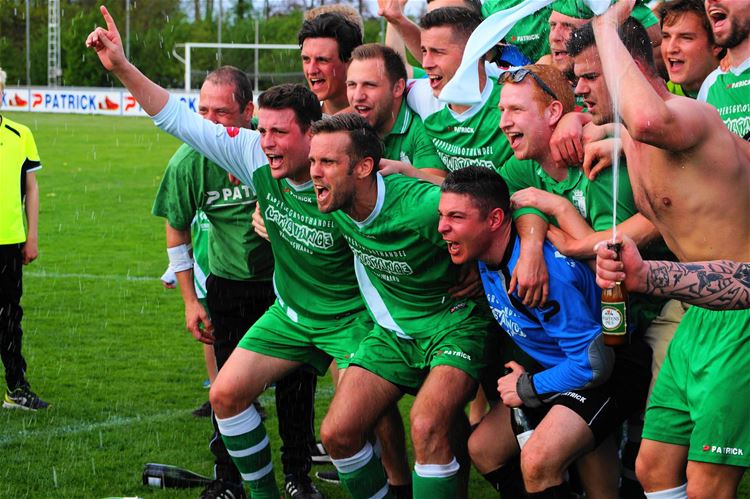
(300, 487)
(23, 398)
(331, 476)
(204, 411)
(221, 489)
(318, 454)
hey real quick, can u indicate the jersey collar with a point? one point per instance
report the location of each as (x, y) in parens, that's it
(741, 68)
(489, 86)
(574, 176)
(509, 248)
(403, 120)
(304, 186)
(378, 204)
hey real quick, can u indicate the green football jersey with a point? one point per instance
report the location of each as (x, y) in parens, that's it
(199, 235)
(593, 200)
(729, 93)
(530, 34)
(191, 183)
(408, 141)
(402, 263)
(314, 277)
(472, 138)
(313, 273)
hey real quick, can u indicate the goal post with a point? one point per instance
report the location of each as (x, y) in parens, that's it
(189, 46)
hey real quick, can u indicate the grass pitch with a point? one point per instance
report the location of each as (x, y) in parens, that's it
(105, 343)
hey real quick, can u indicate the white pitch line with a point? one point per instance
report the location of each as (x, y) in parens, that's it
(57, 275)
(113, 422)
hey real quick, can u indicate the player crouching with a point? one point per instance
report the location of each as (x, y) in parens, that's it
(580, 392)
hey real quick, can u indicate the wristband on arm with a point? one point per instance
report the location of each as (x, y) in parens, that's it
(526, 392)
(180, 257)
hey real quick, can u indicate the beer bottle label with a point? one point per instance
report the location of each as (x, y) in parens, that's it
(523, 438)
(613, 318)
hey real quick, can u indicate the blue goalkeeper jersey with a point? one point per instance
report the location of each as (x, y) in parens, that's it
(564, 336)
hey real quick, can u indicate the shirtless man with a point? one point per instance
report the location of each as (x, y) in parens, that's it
(695, 188)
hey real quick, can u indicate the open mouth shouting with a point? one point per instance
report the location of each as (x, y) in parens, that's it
(675, 65)
(275, 161)
(317, 85)
(559, 55)
(322, 194)
(720, 22)
(514, 139)
(717, 16)
(436, 81)
(454, 248)
(363, 110)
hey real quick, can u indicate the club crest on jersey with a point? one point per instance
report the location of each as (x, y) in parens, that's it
(233, 131)
(458, 306)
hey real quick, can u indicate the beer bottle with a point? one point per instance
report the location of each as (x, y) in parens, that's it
(521, 426)
(166, 476)
(614, 309)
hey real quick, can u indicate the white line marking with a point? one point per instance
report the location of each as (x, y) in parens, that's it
(112, 422)
(58, 275)
(267, 398)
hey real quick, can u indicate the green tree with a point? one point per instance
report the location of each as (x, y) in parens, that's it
(156, 27)
(13, 40)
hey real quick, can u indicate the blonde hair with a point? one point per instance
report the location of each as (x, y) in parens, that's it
(349, 14)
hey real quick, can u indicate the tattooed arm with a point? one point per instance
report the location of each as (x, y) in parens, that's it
(717, 285)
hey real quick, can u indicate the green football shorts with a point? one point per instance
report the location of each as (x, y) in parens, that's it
(700, 399)
(407, 362)
(276, 335)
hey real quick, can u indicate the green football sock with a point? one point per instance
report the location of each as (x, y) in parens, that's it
(363, 475)
(436, 481)
(247, 442)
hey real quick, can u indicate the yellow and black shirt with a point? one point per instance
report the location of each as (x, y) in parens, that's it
(18, 156)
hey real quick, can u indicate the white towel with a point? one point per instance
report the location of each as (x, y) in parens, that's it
(464, 86)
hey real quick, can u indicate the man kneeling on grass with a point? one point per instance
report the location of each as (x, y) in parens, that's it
(582, 391)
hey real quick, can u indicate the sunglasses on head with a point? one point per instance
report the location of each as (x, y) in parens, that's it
(517, 76)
